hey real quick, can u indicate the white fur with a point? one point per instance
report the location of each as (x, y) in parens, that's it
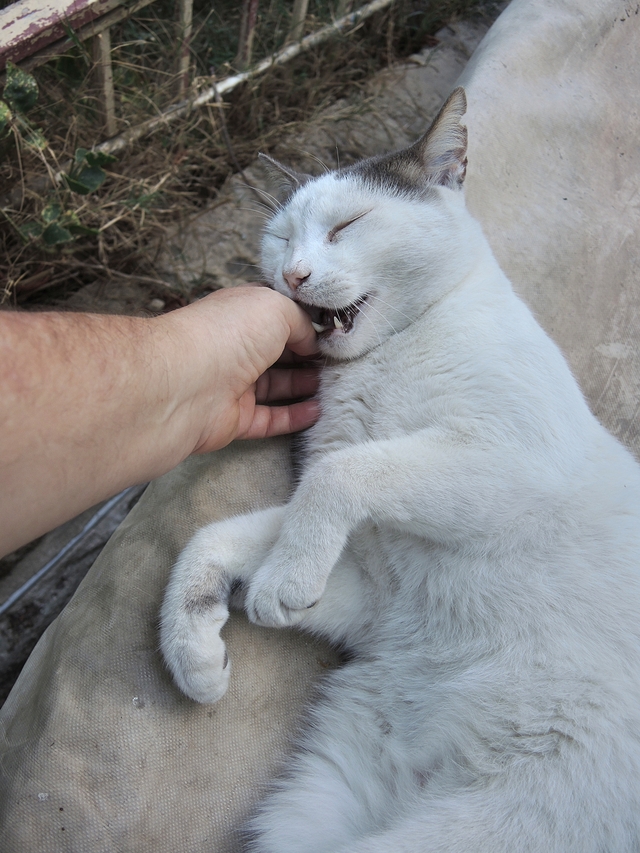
(467, 528)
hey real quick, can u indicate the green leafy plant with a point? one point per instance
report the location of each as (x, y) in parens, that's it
(20, 95)
(5, 119)
(21, 89)
(87, 174)
(57, 223)
(55, 226)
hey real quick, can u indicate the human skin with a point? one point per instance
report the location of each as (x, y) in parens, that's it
(91, 404)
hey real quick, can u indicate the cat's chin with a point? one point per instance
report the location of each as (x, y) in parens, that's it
(343, 346)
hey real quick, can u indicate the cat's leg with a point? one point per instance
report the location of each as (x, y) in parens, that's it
(325, 815)
(317, 814)
(221, 555)
(428, 484)
(332, 793)
(539, 808)
(221, 558)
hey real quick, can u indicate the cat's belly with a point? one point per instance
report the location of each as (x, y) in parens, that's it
(430, 727)
(451, 675)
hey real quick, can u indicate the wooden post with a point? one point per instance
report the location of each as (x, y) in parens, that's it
(186, 28)
(102, 58)
(298, 17)
(247, 30)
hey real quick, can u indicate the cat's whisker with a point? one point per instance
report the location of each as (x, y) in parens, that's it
(266, 217)
(265, 208)
(393, 307)
(326, 169)
(386, 319)
(272, 203)
(375, 328)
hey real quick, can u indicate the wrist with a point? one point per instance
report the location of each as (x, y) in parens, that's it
(187, 358)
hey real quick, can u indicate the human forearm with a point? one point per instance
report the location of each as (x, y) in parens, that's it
(87, 408)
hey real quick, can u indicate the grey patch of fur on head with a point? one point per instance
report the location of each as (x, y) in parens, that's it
(438, 158)
(398, 173)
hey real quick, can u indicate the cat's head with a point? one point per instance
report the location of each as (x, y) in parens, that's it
(366, 249)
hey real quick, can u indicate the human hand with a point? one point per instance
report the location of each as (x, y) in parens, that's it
(231, 340)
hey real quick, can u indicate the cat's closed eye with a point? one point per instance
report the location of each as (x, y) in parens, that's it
(277, 236)
(331, 236)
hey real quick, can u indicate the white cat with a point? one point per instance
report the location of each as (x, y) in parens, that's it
(463, 525)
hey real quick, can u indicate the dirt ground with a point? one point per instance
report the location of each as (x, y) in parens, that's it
(220, 248)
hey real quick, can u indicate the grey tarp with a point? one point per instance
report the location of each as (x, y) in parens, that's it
(99, 752)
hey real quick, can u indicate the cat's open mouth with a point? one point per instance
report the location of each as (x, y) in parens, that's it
(326, 320)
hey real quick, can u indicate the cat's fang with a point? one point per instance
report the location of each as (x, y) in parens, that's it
(337, 323)
(318, 327)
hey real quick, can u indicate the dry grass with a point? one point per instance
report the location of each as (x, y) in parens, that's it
(182, 167)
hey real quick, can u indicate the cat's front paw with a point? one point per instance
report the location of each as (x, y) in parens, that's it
(213, 567)
(280, 594)
(194, 651)
(194, 610)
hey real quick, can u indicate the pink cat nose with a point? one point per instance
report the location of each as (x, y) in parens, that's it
(296, 277)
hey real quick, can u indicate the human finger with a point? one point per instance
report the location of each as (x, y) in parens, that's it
(282, 384)
(302, 338)
(269, 421)
(289, 357)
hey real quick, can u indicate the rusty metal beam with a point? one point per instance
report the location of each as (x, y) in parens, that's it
(31, 34)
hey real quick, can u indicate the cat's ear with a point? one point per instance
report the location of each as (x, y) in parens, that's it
(285, 180)
(442, 151)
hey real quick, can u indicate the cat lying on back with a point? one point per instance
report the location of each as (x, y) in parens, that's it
(463, 525)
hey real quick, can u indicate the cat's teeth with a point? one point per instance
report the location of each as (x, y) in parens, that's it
(318, 327)
(337, 323)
